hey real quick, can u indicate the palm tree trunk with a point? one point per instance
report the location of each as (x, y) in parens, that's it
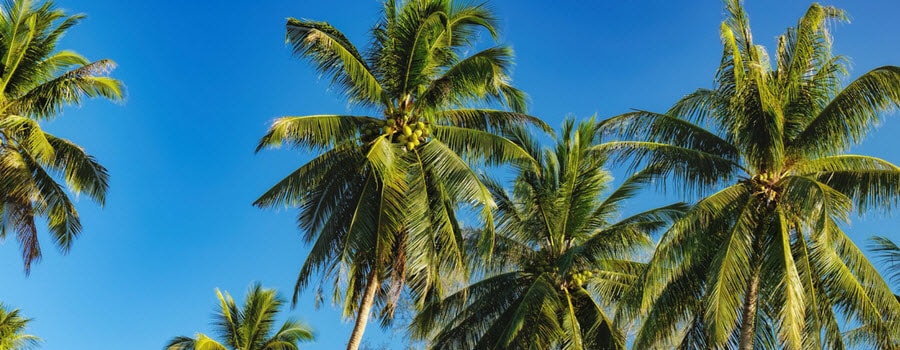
(365, 307)
(751, 299)
(748, 321)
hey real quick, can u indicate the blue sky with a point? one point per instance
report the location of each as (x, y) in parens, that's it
(205, 79)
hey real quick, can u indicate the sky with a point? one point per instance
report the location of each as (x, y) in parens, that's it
(206, 78)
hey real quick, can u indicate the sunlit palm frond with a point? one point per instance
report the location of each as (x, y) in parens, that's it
(333, 54)
(851, 114)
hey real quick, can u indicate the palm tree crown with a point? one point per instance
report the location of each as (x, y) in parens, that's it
(378, 203)
(250, 327)
(764, 259)
(12, 328)
(559, 248)
(36, 82)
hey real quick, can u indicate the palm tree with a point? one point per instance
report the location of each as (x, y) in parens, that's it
(763, 260)
(248, 328)
(12, 326)
(36, 82)
(378, 203)
(561, 261)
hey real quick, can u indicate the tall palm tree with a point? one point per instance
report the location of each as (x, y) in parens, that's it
(12, 328)
(248, 328)
(763, 260)
(36, 82)
(378, 203)
(562, 257)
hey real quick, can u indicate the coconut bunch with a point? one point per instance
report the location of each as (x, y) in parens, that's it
(579, 278)
(409, 135)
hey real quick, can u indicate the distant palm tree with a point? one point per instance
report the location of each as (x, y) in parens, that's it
(764, 262)
(562, 256)
(36, 82)
(12, 328)
(378, 203)
(248, 328)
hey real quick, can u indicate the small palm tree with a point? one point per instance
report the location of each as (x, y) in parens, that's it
(562, 259)
(378, 204)
(763, 262)
(36, 82)
(248, 328)
(12, 328)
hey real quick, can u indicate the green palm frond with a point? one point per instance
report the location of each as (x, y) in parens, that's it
(333, 54)
(82, 172)
(487, 119)
(851, 114)
(870, 182)
(313, 132)
(696, 169)
(46, 100)
(28, 136)
(476, 78)
(480, 145)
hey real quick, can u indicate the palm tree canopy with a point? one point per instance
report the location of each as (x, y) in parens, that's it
(378, 203)
(250, 327)
(12, 328)
(36, 82)
(770, 141)
(563, 256)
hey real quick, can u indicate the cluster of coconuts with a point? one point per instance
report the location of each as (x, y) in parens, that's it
(579, 278)
(409, 135)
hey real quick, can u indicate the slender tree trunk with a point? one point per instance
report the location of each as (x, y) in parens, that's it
(751, 299)
(365, 308)
(748, 321)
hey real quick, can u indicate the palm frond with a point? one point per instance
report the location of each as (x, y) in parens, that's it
(851, 114)
(334, 55)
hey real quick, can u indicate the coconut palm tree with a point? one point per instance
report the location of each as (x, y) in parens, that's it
(763, 261)
(12, 328)
(378, 203)
(562, 257)
(36, 82)
(249, 327)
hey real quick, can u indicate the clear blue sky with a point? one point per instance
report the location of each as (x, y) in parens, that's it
(205, 78)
